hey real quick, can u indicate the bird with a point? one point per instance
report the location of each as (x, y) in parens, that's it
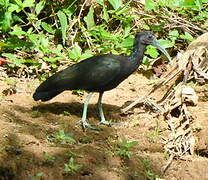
(98, 73)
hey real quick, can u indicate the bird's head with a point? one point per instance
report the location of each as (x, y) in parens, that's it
(148, 38)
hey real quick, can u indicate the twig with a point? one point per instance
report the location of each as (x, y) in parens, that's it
(167, 165)
(78, 20)
(162, 82)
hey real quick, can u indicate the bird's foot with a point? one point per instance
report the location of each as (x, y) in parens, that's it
(108, 123)
(86, 125)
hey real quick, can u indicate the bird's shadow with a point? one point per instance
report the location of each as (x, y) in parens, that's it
(112, 112)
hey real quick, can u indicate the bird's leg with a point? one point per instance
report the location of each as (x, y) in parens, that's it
(83, 121)
(100, 108)
(102, 117)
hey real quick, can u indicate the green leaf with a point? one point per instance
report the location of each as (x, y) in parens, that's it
(64, 24)
(113, 51)
(6, 23)
(116, 3)
(127, 43)
(173, 34)
(130, 144)
(145, 27)
(19, 3)
(31, 17)
(105, 35)
(62, 137)
(166, 43)
(89, 19)
(13, 7)
(47, 27)
(58, 51)
(16, 18)
(202, 15)
(51, 59)
(15, 43)
(15, 61)
(157, 28)
(30, 61)
(86, 55)
(187, 37)
(28, 3)
(39, 6)
(100, 2)
(152, 51)
(17, 31)
(66, 113)
(145, 61)
(69, 12)
(105, 14)
(44, 41)
(75, 53)
(78, 92)
(123, 10)
(4, 3)
(199, 4)
(149, 5)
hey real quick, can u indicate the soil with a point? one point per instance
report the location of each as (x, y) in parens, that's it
(30, 148)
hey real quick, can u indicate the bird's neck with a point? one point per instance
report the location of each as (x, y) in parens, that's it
(137, 53)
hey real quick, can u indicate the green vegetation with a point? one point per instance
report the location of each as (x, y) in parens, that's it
(61, 137)
(37, 176)
(48, 159)
(153, 135)
(148, 172)
(42, 37)
(66, 113)
(39, 36)
(124, 148)
(71, 166)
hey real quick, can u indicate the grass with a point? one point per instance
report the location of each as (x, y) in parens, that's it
(153, 135)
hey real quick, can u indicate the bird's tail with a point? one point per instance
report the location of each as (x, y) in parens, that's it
(45, 96)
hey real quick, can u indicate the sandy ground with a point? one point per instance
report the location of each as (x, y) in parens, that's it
(31, 149)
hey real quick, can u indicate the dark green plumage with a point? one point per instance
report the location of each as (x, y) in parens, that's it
(96, 74)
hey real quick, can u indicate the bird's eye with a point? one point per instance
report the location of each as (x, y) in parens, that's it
(149, 37)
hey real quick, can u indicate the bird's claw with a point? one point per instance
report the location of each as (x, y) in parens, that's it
(107, 123)
(86, 125)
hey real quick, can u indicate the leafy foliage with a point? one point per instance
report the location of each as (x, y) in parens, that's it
(59, 31)
(71, 166)
(125, 147)
(61, 137)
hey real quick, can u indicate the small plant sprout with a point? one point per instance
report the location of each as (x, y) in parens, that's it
(148, 172)
(125, 147)
(66, 113)
(48, 159)
(61, 137)
(78, 92)
(71, 166)
(38, 176)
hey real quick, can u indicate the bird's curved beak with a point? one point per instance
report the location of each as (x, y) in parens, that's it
(158, 46)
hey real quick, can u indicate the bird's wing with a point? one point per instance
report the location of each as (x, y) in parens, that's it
(94, 72)
(103, 71)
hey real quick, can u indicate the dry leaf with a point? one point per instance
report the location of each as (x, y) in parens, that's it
(189, 95)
